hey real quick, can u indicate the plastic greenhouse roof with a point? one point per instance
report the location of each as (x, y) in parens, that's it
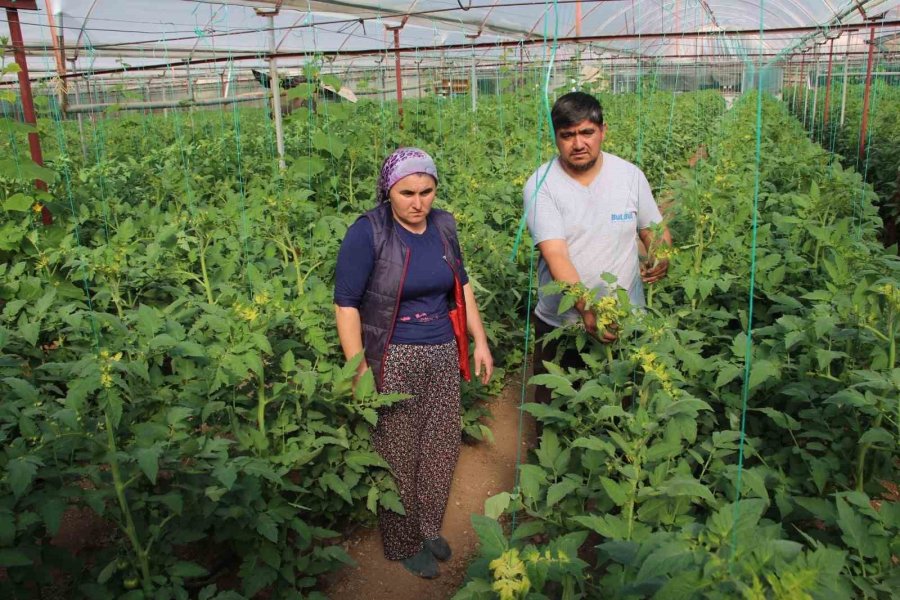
(116, 34)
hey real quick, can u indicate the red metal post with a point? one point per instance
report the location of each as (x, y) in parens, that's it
(398, 74)
(34, 142)
(865, 111)
(577, 19)
(828, 88)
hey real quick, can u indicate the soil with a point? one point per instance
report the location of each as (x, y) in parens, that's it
(483, 470)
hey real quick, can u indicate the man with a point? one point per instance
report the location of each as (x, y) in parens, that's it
(585, 218)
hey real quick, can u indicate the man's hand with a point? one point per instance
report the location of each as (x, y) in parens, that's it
(656, 272)
(590, 325)
(484, 363)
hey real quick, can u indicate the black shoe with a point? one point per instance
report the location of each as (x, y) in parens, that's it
(439, 548)
(422, 564)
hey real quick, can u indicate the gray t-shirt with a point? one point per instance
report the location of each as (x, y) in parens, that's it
(598, 222)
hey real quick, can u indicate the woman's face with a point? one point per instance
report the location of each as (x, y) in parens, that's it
(411, 200)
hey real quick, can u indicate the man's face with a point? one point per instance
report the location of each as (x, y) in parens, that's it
(579, 145)
(411, 200)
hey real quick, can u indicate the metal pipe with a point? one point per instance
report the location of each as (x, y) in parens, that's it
(815, 98)
(59, 53)
(578, 19)
(828, 88)
(844, 90)
(398, 74)
(473, 85)
(275, 88)
(100, 107)
(865, 111)
(487, 45)
(34, 142)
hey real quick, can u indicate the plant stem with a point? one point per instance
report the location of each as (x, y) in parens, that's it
(261, 403)
(864, 449)
(297, 270)
(130, 530)
(206, 285)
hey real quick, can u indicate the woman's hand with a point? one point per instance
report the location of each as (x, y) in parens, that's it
(484, 363)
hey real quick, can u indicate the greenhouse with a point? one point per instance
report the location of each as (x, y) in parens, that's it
(643, 345)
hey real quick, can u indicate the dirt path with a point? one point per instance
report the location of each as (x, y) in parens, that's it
(483, 470)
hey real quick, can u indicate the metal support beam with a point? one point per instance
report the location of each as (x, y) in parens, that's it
(815, 98)
(844, 87)
(34, 142)
(59, 53)
(696, 35)
(398, 74)
(275, 88)
(828, 88)
(578, 19)
(473, 85)
(865, 111)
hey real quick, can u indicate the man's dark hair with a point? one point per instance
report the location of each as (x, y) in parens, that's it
(573, 108)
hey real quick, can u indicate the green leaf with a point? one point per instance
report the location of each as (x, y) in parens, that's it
(878, 435)
(667, 559)
(187, 570)
(555, 382)
(615, 491)
(854, 529)
(307, 167)
(762, 371)
(391, 501)
(336, 484)
(148, 461)
(686, 486)
(493, 542)
(359, 459)
(549, 414)
(13, 558)
(266, 527)
(497, 504)
(531, 479)
(19, 203)
(560, 490)
(609, 526)
(372, 500)
(331, 81)
(51, 512)
(594, 443)
(23, 389)
(781, 419)
(727, 373)
(303, 90)
(20, 473)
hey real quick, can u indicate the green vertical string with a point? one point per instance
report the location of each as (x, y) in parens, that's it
(533, 251)
(56, 118)
(748, 347)
(240, 173)
(98, 145)
(185, 162)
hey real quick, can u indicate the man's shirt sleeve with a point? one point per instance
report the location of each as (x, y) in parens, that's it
(647, 210)
(545, 222)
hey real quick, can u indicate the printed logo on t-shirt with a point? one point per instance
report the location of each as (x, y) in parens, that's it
(626, 216)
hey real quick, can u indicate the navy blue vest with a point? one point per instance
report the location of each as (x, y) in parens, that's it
(380, 303)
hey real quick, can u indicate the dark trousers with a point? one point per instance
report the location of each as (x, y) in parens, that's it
(548, 351)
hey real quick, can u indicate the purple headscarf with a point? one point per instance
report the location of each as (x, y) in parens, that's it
(403, 162)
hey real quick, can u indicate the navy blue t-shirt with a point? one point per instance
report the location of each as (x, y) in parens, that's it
(423, 314)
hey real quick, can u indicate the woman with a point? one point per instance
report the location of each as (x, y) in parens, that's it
(400, 285)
